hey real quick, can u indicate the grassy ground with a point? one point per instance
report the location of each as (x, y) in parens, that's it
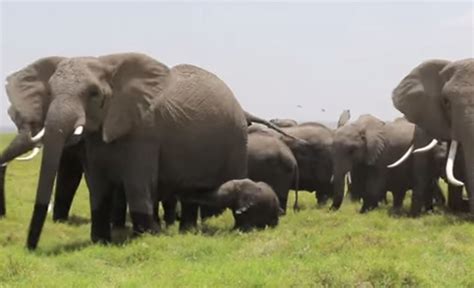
(311, 248)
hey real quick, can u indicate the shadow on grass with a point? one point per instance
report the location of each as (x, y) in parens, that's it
(120, 237)
(75, 220)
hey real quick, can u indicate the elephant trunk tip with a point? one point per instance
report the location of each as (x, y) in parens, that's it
(37, 222)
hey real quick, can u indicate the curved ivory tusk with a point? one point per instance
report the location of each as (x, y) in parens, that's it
(32, 155)
(332, 179)
(38, 136)
(450, 164)
(3, 164)
(401, 160)
(427, 147)
(78, 131)
(349, 178)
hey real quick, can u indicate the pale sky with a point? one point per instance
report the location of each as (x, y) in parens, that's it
(306, 61)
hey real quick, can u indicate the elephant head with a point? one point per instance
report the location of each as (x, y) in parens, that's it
(62, 98)
(358, 143)
(438, 96)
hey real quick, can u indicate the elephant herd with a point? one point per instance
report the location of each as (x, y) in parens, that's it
(141, 134)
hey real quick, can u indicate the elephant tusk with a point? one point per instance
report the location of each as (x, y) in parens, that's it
(33, 153)
(50, 207)
(427, 147)
(401, 160)
(38, 136)
(3, 164)
(332, 179)
(78, 131)
(349, 178)
(450, 164)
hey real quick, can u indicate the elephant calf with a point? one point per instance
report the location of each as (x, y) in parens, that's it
(253, 204)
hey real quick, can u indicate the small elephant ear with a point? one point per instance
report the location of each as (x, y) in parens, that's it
(28, 91)
(344, 118)
(419, 97)
(136, 81)
(375, 144)
(248, 198)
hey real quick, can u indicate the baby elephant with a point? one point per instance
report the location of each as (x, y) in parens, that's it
(253, 204)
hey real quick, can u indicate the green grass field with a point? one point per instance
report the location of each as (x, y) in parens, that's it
(312, 248)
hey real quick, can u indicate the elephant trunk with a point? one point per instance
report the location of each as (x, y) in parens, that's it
(59, 125)
(21, 144)
(221, 197)
(338, 184)
(3, 169)
(296, 187)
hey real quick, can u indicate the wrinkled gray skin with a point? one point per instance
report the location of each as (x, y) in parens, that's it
(438, 96)
(271, 161)
(313, 158)
(253, 204)
(369, 145)
(145, 124)
(284, 122)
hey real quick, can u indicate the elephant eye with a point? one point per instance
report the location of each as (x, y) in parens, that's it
(93, 92)
(446, 102)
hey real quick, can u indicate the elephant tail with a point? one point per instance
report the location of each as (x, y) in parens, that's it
(296, 187)
(254, 119)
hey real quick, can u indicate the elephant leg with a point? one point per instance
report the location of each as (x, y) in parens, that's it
(119, 210)
(209, 211)
(101, 197)
(141, 207)
(375, 186)
(438, 195)
(398, 197)
(189, 215)
(169, 207)
(3, 210)
(321, 196)
(455, 201)
(67, 181)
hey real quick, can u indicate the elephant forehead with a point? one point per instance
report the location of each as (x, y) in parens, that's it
(75, 69)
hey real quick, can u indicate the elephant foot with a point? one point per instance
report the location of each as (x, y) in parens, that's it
(187, 226)
(144, 223)
(366, 209)
(334, 208)
(100, 231)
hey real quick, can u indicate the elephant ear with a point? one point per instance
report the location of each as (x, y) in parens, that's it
(28, 92)
(419, 97)
(344, 118)
(375, 144)
(136, 81)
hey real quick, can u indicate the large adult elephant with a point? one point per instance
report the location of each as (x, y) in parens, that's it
(143, 124)
(438, 95)
(370, 145)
